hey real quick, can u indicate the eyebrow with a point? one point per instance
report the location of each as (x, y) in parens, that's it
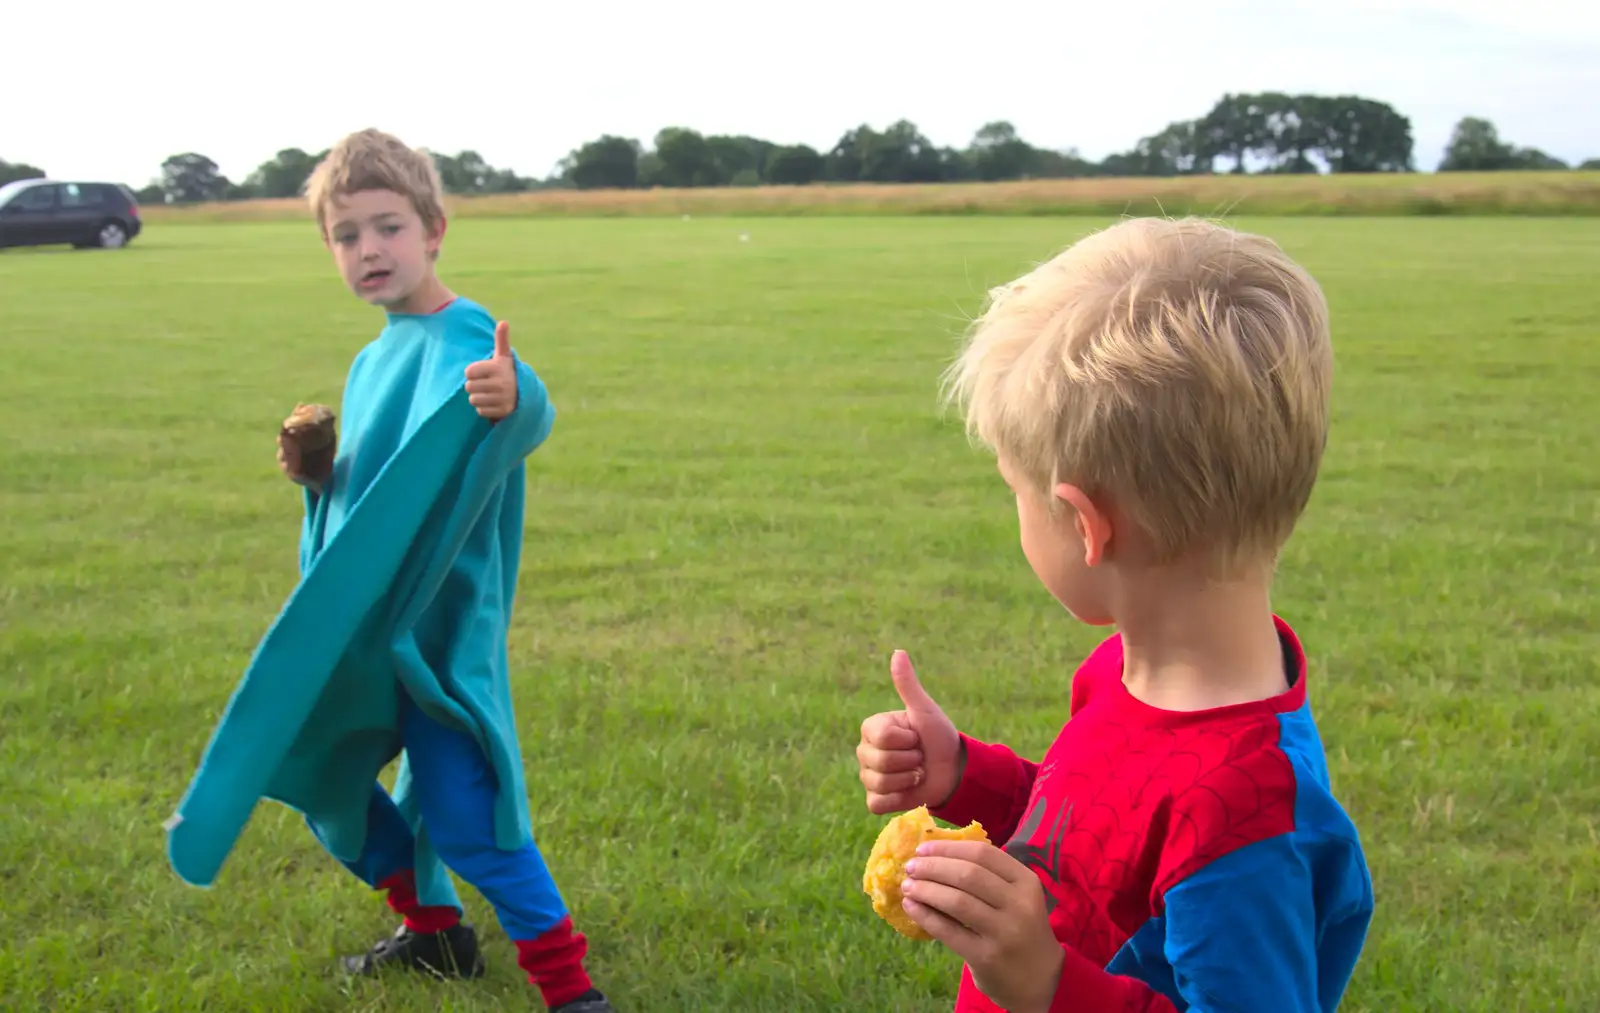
(381, 216)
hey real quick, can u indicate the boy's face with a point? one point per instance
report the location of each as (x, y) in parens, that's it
(1060, 548)
(382, 249)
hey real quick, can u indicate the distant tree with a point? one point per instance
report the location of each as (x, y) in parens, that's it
(1063, 164)
(1304, 133)
(465, 172)
(1533, 158)
(956, 165)
(794, 165)
(1364, 135)
(1589, 164)
(736, 154)
(283, 175)
(997, 152)
(1475, 146)
(1292, 129)
(845, 161)
(607, 163)
(1235, 127)
(191, 178)
(686, 159)
(11, 172)
(1175, 151)
(899, 154)
(650, 169)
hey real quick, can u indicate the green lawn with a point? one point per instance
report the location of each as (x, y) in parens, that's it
(748, 501)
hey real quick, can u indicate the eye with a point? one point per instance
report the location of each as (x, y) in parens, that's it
(388, 230)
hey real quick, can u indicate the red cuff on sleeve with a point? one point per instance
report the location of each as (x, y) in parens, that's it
(994, 789)
(1086, 987)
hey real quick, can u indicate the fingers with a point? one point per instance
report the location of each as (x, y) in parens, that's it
(894, 802)
(905, 683)
(890, 732)
(502, 340)
(940, 925)
(942, 876)
(888, 761)
(879, 783)
(991, 861)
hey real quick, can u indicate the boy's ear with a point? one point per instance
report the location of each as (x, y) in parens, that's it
(435, 238)
(1092, 521)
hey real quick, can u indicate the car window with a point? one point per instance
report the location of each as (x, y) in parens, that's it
(74, 196)
(16, 186)
(35, 198)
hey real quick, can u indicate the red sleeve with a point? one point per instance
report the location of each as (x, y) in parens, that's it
(994, 789)
(1086, 987)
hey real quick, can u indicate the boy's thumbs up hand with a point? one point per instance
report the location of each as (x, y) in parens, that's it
(908, 757)
(492, 382)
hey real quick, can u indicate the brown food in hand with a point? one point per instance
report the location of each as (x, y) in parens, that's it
(886, 866)
(311, 427)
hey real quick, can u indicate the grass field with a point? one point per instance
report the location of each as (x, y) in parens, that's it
(748, 502)
(1346, 194)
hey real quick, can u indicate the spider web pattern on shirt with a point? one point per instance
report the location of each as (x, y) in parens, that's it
(1129, 810)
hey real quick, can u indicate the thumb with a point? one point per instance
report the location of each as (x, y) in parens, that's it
(911, 692)
(502, 340)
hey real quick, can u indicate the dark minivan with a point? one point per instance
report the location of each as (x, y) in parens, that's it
(46, 212)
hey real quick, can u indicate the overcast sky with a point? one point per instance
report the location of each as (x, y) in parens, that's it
(108, 90)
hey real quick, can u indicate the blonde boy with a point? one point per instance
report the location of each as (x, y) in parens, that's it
(1157, 399)
(440, 691)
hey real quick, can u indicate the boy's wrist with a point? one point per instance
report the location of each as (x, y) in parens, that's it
(961, 769)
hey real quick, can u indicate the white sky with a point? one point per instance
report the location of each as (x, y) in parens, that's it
(110, 89)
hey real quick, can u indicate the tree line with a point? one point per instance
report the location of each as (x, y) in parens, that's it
(1269, 132)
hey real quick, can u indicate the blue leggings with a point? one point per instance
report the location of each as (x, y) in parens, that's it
(455, 789)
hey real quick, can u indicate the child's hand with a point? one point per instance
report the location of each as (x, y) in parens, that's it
(289, 463)
(492, 383)
(989, 909)
(908, 757)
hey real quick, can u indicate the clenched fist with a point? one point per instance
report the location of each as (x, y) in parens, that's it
(909, 757)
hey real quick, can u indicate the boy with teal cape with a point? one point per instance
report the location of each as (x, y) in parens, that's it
(394, 641)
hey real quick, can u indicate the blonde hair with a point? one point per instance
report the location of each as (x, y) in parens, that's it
(373, 160)
(1180, 367)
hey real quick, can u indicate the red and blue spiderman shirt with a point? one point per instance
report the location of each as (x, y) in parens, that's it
(1191, 861)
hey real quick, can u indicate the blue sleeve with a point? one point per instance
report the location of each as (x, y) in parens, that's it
(1273, 926)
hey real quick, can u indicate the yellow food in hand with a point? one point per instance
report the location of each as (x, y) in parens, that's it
(886, 866)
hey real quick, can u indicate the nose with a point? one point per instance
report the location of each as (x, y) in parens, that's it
(369, 246)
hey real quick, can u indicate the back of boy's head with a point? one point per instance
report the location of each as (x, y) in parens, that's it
(373, 160)
(1178, 367)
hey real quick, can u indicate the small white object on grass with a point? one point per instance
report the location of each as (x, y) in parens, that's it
(744, 237)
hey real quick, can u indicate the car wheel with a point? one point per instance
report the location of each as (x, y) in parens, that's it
(112, 236)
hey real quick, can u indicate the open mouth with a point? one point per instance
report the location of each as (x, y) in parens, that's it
(372, 279)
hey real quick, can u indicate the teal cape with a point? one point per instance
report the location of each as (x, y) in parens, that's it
(409, 563)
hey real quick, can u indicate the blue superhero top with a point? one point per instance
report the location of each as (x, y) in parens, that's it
(409, 558)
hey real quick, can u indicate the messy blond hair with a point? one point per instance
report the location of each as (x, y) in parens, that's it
(373, 160)
(1179, 367)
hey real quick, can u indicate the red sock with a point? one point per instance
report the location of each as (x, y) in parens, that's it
(554, 963)
(402, 887)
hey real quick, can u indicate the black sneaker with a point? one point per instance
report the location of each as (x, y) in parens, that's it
(452, 953)
(589, 1002)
